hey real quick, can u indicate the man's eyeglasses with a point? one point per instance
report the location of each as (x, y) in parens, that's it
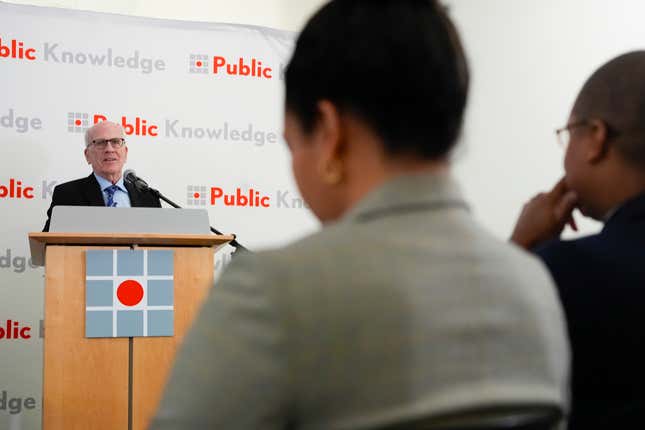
(564, 133)
(116, 142)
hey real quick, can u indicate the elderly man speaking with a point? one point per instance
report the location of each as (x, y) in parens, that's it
(106, 152)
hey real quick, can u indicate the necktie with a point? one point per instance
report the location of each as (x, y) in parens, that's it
(110, 196)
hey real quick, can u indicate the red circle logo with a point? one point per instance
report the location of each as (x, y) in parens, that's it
(199, 64)
(129, 292)
(196, 195)
(77, 122)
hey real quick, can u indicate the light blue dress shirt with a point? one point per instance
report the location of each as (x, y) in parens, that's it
(121, 196)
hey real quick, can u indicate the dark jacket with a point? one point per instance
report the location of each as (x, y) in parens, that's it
(87, 192)
(601, 280)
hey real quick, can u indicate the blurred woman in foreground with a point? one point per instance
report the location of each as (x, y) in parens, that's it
(401, 308)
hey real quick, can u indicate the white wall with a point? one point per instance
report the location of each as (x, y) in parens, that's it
(281, 14)
(529, 59)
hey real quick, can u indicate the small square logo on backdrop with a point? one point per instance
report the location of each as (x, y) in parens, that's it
(77, 122)
(196, 195)
(198, 63)
(129, 293)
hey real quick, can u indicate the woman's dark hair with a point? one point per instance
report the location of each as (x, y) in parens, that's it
(398, 65)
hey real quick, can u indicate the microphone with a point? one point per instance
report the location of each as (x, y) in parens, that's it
(130, 176)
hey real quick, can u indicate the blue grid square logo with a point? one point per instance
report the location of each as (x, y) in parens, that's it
(160, 292)
(161, 323)
(161, 262)
(198, 64)
(99, 263)
(129, 263)
(99, 293)
(98, 324)
(77, 122)
(129, 323)
(196, 195)
(129, 293)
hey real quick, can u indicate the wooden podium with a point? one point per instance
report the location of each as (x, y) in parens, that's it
(111, 383)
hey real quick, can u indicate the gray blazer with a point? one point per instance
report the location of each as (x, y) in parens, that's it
(405, 308)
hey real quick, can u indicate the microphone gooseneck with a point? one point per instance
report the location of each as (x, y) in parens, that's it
(131, 177)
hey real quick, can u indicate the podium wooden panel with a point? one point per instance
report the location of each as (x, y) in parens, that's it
(81, 377)
(154, 356)
(111, 383)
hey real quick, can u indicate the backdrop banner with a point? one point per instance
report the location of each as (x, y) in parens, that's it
(202, 107)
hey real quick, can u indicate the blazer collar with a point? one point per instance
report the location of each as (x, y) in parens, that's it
(92, 191)
(632, 211)
(133, 193)
(408, 193)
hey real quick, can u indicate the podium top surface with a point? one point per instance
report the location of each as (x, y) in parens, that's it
(101, 219)
(38, 241)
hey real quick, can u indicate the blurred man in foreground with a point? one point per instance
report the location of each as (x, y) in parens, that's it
(601, 278)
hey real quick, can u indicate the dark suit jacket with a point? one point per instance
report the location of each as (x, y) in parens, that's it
(601, 280)
(87, 192)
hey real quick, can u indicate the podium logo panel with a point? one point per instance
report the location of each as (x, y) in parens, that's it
(129, 293)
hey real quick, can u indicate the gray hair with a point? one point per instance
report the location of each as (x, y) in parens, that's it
(87, 136)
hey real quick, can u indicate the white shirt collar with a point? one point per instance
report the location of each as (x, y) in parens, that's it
(104, 183)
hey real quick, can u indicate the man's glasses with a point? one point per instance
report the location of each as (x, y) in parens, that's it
(564, 133)
(116, 142)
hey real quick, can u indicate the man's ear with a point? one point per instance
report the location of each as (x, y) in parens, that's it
(86, 157)
(597, 144)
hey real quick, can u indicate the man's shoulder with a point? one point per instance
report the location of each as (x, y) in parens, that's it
(301, 260)
(305, 250)
(334, 244)
(74, 184)
(342, 252)
(560, 249)
(583, 261)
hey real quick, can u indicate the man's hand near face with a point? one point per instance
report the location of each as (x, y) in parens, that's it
(544, 216)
